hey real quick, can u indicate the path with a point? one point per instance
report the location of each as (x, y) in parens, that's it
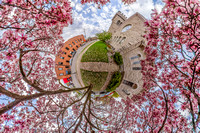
(99, 66)
(76, 75)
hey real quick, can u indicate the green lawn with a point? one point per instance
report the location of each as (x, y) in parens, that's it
(96, 53)
(97, 79)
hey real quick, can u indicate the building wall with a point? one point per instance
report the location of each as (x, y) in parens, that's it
(91, 39)
(130, 37)
(65, 55)
(128, 40)
(117, 21)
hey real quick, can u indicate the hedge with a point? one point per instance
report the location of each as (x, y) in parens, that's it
(118, 58)
(114, 82)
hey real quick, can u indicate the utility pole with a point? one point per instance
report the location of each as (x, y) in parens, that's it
(84, 33)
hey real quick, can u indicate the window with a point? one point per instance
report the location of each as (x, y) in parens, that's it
(136, 68)
(76, 41)
(128, 83)
(142, 47)
(116, 39)
(66, 66)
(136, 62)
(61, 57)
(131, 84)
(126, 92)
(119, 39)
(60, 68)
(70, 45)
(119, 22)
(122, 40)
(77, 46)
(127, 27)
(69, 56)
(73, 43)
(61, 74)
(67, 48)
(67, 61)
(134, 57)
(60, 63)
(135, 86)
(64, 53)
(68, 71)
(74, 49)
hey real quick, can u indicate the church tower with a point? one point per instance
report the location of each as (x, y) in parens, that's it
(117, 21)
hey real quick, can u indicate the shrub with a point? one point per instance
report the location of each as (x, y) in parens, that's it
(118, 58)
(114, 82)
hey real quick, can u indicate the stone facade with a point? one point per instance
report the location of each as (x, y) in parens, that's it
(64, 57)
(127, 38)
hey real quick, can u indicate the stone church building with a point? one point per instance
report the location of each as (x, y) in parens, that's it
(127, 38)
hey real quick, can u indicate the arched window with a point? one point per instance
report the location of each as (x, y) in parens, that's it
(135, 86)
(119, 39)
(73, 43)
(116, 39)
(119, 22)
(127, 27)
(142, 47)
(122, 40)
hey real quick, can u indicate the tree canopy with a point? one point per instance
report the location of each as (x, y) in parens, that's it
(104, 36)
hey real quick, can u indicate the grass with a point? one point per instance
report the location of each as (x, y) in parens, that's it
(97, 79)
(85, 47)
(96, 53)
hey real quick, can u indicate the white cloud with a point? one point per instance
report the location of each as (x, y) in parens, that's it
(103, 15)
(159, 7)
(95, 20)
(93, 9)
(79, 7)
(72, 4)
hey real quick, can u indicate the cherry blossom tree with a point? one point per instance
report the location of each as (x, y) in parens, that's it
(172, 63)
(31, 97)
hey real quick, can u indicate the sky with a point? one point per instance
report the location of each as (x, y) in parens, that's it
(93, 20)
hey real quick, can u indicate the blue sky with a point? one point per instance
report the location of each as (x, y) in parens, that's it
(95, 20)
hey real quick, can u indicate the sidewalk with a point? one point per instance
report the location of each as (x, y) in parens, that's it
(99, 66)
(76, 75)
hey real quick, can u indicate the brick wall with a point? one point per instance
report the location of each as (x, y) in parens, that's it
(66, 54)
